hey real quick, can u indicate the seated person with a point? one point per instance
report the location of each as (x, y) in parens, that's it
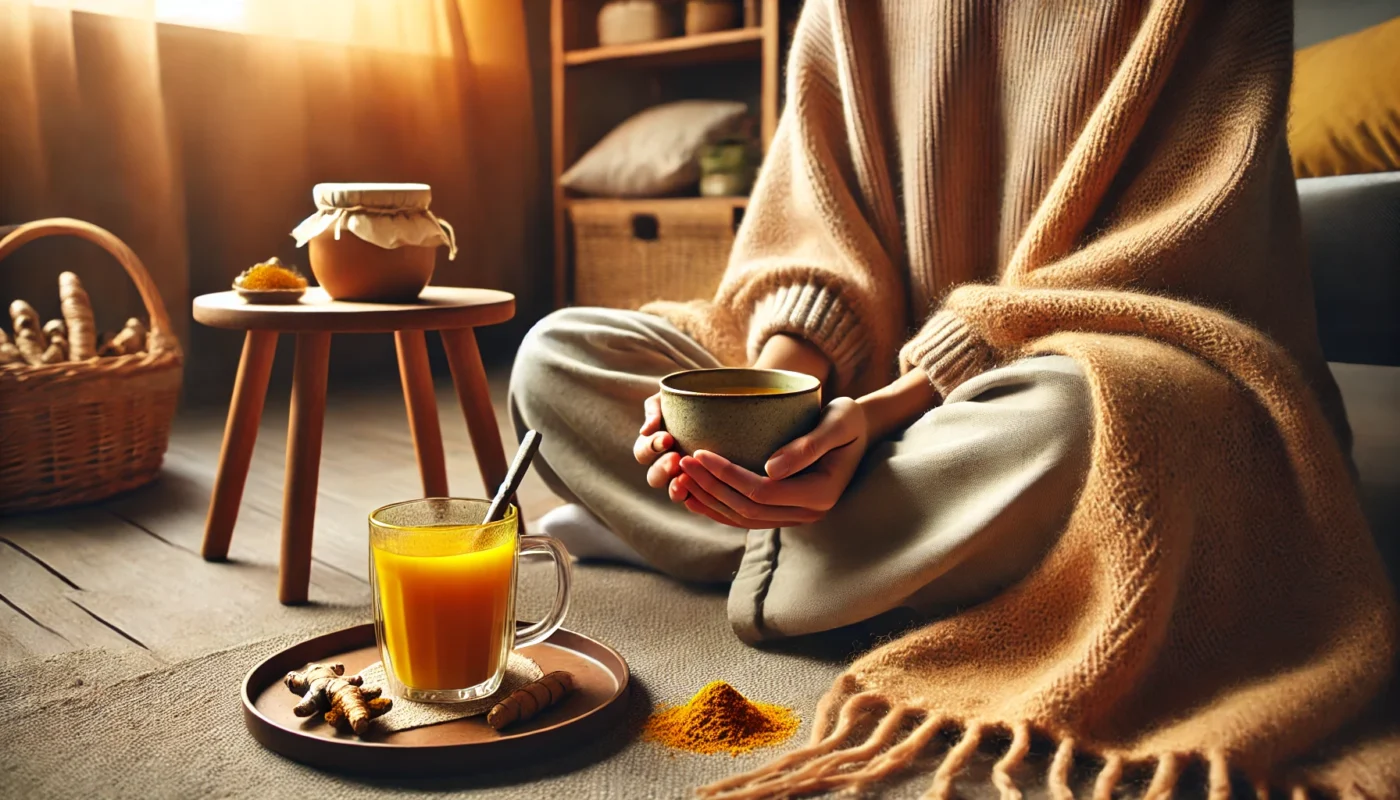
(908, 161)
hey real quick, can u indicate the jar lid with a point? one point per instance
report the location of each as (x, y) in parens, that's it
(385, 214)
(386, 196)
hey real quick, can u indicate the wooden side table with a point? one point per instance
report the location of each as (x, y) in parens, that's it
(453, 312)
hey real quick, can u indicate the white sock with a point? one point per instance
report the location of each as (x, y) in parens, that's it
(585, 535)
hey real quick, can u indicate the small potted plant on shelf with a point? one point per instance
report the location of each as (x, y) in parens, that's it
(728, 167)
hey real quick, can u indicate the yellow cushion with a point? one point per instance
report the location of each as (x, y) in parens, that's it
(1344, 115)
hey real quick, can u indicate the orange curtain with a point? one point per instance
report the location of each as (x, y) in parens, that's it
(195, 129)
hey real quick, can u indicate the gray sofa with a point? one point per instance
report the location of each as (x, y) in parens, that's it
(1352, 225)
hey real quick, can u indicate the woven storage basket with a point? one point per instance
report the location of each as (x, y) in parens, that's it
(629, 253)
(79, 431)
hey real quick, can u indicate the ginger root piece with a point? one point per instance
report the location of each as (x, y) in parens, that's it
(131, 339)
(343, 700)
(25, 318)
(104, 345)
(76, 308)
(530, 699)
(57, 333)
(31, 345)
(57, 350)
(9, 354)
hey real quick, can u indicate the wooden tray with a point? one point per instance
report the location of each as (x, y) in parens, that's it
(451, 747)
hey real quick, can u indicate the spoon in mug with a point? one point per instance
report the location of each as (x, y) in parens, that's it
(521, 465)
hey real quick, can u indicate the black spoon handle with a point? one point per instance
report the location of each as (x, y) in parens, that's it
(528, 447)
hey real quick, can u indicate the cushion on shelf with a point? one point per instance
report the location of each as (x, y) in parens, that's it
(655, 152)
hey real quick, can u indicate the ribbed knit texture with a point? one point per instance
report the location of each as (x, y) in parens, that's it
(1115, 176)
(1107, 144)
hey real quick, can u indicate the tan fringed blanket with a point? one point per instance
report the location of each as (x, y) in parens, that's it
(1115, 176)
(1215, 596)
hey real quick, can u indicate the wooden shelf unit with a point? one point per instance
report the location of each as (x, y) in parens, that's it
(655, 202)
(594, 88)
(733, 45)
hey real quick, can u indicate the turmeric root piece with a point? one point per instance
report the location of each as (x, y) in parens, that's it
(377, 706)
(530, 699)
(323, 689)
(76, 308)
(131, 339)
(55, 327)
(311, 684)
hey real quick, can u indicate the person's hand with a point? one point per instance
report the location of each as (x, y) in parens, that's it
(653, 448)
(805, 477)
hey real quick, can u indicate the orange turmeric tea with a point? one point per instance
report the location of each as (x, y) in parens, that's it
(445, 599)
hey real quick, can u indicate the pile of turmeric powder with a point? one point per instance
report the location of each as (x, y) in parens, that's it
(270, 274)
(720, 720)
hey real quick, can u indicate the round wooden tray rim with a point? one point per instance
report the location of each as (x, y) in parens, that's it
(321, 751)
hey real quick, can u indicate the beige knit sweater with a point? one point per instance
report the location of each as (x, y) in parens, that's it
(1115, 176)
(1085, 145)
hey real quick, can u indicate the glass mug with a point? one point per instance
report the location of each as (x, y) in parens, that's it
(444, 596)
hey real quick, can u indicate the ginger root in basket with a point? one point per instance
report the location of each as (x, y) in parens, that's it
(9, 354)
(57, 333)
(76, 308)
(24, 316)
(131, 339)
(530, 699)
(344, 702)
(30, 340)
(57, 350)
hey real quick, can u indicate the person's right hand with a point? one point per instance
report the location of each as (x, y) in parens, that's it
(654, 447)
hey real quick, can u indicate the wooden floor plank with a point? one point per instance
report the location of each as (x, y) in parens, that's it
(166, 597)
(51, 602)
(22, 636)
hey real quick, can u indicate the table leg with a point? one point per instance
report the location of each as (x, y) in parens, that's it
(469, 376)
(303, 464)
(240, 433)
(421, 402)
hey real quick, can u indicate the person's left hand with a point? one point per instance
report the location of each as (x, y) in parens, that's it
(712, 486)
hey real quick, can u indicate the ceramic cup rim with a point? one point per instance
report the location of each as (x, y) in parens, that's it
(812, 383)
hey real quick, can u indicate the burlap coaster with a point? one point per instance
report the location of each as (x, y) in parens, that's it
(405, 714)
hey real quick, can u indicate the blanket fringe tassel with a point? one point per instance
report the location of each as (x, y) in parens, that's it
(887, 745)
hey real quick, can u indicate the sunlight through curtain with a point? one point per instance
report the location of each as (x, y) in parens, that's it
(194, 130)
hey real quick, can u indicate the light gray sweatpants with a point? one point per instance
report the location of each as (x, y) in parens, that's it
(961, 504)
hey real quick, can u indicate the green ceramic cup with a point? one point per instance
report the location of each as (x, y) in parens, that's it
(744, 415)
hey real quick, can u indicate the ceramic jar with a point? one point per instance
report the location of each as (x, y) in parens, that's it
(374, 241)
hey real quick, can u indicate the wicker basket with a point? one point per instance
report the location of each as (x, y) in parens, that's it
(629, 253)
(79, 431)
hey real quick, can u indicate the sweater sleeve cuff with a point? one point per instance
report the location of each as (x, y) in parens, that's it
(818, 315)
(948, 351)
